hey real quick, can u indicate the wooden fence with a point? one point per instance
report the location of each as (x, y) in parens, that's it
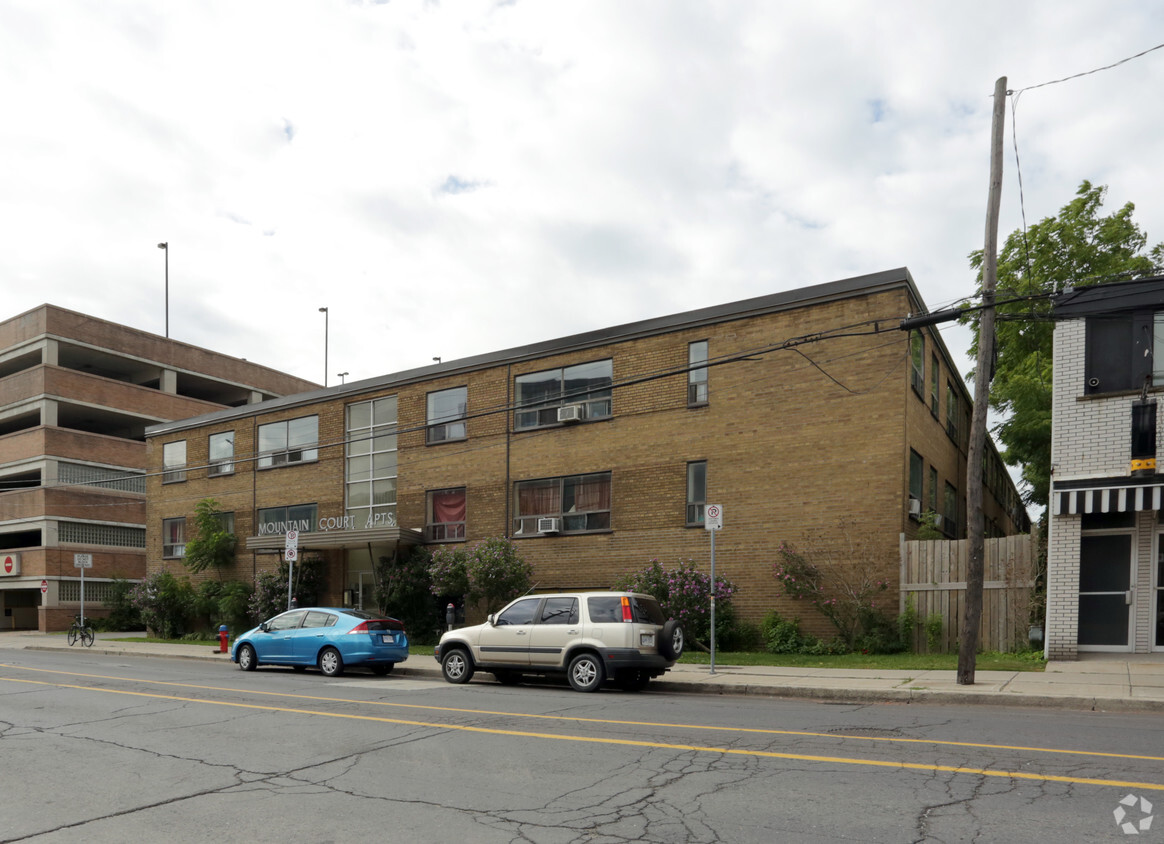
(933, 575)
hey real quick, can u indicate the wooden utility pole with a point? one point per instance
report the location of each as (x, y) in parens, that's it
(972, 618)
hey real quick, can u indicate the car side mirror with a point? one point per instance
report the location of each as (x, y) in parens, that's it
(491, 619)
(264, 627)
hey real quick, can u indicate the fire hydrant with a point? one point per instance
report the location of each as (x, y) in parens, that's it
(223, 636)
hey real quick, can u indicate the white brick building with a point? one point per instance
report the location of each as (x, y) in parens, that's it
(1105, 575)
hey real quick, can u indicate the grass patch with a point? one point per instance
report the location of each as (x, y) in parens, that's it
(154, 640)
(1032, 661)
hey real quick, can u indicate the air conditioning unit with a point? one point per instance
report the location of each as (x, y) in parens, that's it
(548, 525)
(914, 507)
(572, 413)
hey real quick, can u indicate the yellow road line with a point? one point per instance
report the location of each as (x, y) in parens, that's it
(649, 745)
(580, 720)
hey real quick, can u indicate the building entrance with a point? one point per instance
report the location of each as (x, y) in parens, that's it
(1105, 592)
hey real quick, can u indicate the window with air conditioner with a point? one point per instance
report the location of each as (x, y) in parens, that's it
(540, 396)
(580, 503)
(916, 478)
(288, 442)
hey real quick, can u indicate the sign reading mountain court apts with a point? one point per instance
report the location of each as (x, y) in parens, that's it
(10, 565)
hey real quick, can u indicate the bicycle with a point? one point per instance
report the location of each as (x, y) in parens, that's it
(80, 631)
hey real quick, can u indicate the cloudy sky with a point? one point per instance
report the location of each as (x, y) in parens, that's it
(453, 178)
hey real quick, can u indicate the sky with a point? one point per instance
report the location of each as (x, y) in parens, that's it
(455, 178)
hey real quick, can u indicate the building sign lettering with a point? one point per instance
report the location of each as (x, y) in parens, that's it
(329, 523)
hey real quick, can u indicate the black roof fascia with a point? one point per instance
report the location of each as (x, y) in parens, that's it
(759, 305)
(1110, 298)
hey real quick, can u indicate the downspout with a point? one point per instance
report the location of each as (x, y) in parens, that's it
(508, 422)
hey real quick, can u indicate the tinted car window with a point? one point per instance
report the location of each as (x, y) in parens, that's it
(604, 608)
(319, 619)
(560, 611)
(520, 613)
(384, 624)
(286, 621)
(648, 611)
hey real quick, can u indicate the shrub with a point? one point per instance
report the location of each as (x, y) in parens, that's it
(224, 603)
(165, 603)
(783, 636)
(684, 593)
(270, 595)
(405, 592)
(123, 614)
(491, 572)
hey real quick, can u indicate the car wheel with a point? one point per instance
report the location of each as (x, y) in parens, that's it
(247, 660)
(331, 663)
(672, 640)
(383, 670)
(586, 673)
(457, 666)
(507, 678)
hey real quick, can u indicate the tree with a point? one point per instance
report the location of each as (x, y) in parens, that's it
(1077, 247)
(491, 572)
(211, 546)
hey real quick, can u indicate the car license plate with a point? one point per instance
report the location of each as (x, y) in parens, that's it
(388, 638)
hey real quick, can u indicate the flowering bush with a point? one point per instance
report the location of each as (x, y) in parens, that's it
(405, 592)
(270, 595)
(684, 593)
(491, 572)
(844, 592)
(165, 604)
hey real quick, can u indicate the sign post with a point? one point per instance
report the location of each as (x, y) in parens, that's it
(82, 562)
(713, 523)
(290, 552)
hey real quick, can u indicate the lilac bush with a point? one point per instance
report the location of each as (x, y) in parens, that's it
(684, 593)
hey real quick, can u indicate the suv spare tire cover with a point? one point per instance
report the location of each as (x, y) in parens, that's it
(667, 645)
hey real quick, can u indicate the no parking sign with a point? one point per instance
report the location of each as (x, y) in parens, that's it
(713, 517)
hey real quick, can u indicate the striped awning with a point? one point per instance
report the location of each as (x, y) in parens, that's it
(1110, 499)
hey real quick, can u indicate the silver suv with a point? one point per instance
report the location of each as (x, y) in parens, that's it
(588, 636)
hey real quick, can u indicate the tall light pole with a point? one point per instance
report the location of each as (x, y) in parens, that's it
(342, 375)
(325, 321)
(165, 247)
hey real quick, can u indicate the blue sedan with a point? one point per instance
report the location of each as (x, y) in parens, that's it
(327, 637)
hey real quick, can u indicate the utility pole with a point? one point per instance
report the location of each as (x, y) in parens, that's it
(972, 617)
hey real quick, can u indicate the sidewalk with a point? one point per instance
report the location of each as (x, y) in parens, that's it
(1105, 682)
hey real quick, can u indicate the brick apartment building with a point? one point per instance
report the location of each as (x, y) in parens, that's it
(1105, 566)
(76, 395)
(597, 452)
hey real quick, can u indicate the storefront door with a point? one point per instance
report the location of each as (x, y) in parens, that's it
(1105, 592)
(1158, 594)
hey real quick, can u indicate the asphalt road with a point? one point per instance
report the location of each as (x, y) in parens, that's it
(98, 748)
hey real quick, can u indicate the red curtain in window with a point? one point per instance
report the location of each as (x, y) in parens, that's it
(448, 506)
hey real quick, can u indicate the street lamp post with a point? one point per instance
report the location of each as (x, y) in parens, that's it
(342, 375)
(165, 247)
(325, 322)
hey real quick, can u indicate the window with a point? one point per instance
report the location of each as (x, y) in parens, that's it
(446, 515)
(696, 492)
(560, 611)
(370, 463)
(916, 476)
(446, 415)
(286, 621)
(951, 412)
(585, 386)
(300, 517)
(520, 613)
(697, 378)
(950, 511)
(1118, 351)
(579, 503)
(933, 502)
(225, 522)
(174, 538)
(174, 462)
(934, 385)
(221, 452)
(917, 361)
(292, 441)
(320, 619)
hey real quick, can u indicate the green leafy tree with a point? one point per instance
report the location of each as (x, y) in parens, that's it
(492, 572)
(165, 604)
(1078, 247)
(270, 595)
(211, 546)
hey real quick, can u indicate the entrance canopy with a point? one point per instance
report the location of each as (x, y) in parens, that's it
(325, 539)
(1098, 496)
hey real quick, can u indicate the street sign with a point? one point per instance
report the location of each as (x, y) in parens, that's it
(82, 561)
(11, 564)
(291, 546)
(291, 554)
(43, 586)
(713, 517)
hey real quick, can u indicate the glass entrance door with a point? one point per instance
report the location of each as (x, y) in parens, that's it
(1105, 597)
(1158, 608)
